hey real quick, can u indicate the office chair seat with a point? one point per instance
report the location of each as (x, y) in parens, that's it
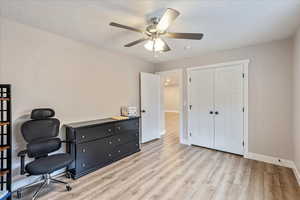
(48, 164)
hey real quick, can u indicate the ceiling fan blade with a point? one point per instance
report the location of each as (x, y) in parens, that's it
(166, 46)
(126, 27)
(135, 42)
(166, 20)
(190, 36)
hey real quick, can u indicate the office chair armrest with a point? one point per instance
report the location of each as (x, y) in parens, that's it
(22, 154)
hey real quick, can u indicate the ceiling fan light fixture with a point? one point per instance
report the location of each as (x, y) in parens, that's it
(157, 27)
(155, 45)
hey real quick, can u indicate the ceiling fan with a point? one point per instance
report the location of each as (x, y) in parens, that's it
(156, 29)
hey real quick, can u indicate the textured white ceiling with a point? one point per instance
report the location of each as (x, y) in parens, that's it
(226, 24)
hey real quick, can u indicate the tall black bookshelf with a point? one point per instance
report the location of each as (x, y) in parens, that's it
(5, 142)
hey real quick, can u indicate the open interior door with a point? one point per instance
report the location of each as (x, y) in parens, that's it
(150, 106)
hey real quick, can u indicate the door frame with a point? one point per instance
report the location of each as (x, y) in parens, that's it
(181, 103)
(245, 64)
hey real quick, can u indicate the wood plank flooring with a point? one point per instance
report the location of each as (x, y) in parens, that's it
(167, 170)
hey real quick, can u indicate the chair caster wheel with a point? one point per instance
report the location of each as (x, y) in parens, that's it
(19, 194)
(68, 175)
(68, 188)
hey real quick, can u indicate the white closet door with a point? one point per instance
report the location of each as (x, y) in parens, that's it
(201, 98)
(229, 109)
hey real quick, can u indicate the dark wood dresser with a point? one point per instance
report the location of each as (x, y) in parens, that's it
(100, 142)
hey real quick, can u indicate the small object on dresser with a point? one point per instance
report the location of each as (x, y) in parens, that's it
(129, 111)
(119, 117)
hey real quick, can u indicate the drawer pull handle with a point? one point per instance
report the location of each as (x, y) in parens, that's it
(83, 150)
(119, 128)
(119, 151)
(110, 142)
(83, 165)
(83, 136)
(109, 155)
(109, 130)
(119, 139)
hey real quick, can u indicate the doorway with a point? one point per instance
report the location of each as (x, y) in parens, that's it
(171, 104)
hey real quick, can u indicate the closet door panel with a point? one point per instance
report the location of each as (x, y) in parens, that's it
(201, 98)
(229, 109)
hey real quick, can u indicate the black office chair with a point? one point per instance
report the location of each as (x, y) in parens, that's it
(41, 133)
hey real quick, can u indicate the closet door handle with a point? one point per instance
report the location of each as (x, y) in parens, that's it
(211, 112)
(216, 113)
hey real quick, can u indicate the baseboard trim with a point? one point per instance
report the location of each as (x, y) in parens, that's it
(172, 111)
(270, 159)
(297, 174)
(276, 161)
(184, 141)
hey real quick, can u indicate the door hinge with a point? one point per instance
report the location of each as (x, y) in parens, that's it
(191, 134)
(243, 144)
(243, 109)
(190, 79)
(243, 75)
(191, 107)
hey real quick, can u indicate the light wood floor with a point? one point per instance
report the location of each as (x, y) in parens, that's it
(167, 170)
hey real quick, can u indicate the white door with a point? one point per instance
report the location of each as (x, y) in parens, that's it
(150, 101)
(229, 109)
(201, 121)
(219, 90)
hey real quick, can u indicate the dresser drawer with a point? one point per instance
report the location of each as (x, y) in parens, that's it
(120, 139)
(92, 133)
(125, 138)
(126, 126)
(92, 154)
(124, 149)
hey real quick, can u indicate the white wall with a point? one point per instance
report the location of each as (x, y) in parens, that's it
(171, 98)
(296, 100)
(270, 91)
(79, 81)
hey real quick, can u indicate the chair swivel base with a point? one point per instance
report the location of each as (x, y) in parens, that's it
(46, 180)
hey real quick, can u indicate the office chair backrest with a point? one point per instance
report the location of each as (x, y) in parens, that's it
(41, 133)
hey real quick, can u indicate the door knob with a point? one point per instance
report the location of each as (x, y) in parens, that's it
(216, 112)
(143, 111)
(211, 112)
